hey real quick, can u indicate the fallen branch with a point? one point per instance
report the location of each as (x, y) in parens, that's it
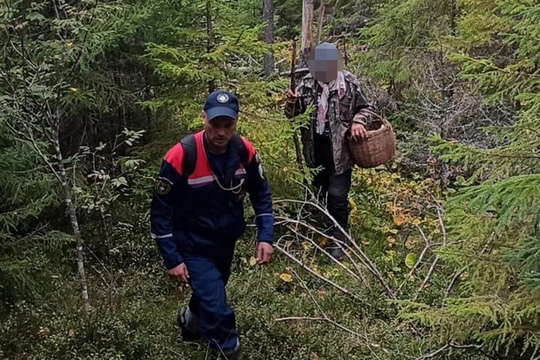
(325, 320)
(342, 289)
(363, 257)
(461, 271)
(359, 277)
(436, 260)
(432, 354)
(428, 277)
(447, 346)
(426, 248)
(325, 317)
(295, 318)
(453, 282)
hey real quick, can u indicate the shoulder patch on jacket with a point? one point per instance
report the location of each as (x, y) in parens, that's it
(162, 186)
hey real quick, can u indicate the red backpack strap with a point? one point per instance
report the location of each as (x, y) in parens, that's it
(174, 157)
(246, 151)
(190, 154)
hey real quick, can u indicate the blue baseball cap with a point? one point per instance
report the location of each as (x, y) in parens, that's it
(221, 103)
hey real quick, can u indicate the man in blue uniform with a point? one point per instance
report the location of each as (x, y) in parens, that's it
(197, 215)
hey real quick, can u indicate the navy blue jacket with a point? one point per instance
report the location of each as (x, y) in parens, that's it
(205, 210)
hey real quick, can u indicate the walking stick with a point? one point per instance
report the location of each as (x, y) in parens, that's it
(293, 85)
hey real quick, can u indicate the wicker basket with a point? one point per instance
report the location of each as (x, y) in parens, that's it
(377, 148)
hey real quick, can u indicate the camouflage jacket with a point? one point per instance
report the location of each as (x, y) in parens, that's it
(352, 108)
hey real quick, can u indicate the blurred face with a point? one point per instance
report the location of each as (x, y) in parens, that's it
(218, 132)
(325, 71)
(324, 64)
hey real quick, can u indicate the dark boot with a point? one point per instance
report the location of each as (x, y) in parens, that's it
(337, 250)
(187, 321)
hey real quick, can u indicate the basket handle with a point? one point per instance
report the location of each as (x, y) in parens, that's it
(376, 115)
(385, 122)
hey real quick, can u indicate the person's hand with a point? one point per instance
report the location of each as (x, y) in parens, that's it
(264, 252)
(358, 131)
(291, 96)
(179, 273)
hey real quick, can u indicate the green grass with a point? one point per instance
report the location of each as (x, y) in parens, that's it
(136, 319)
(135, 316)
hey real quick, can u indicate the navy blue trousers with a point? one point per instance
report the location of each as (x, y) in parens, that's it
(209, 273)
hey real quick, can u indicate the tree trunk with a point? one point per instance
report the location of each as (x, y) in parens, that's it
(210, 39)
(448, 87)
(68, 198)
(453, 15)
(320, 21)
(307, 34)
(268, 18)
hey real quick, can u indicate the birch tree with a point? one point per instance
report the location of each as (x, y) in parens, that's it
(47, 82)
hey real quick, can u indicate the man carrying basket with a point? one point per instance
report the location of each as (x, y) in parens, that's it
(341, 110)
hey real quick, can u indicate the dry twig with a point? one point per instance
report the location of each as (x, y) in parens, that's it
(305, 267)
(356, 248)
(324, 316)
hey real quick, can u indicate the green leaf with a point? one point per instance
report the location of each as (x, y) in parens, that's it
(410, 260)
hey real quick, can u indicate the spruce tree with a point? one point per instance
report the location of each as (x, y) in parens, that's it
(494, 219)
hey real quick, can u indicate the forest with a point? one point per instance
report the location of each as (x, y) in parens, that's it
(446, 255)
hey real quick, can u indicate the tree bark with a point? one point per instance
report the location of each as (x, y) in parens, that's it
(320, 21)
(210, 39)
(68, 198)
(307, 34)
(449, 86)
(268, 18)
(453, 15)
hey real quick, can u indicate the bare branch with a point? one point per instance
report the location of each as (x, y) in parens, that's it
(447, 346)
(325, 317)
(301, 318)
(28, 138)
(443, 229)
(310, 240)
(362, 256)
(342, 289)
(461, 271)
(413, 269)
(452, 283)
(325, 320)
(428, 276)
(436, 260)
(434, 353)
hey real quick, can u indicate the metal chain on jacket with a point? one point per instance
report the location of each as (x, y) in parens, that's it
(234, 190)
